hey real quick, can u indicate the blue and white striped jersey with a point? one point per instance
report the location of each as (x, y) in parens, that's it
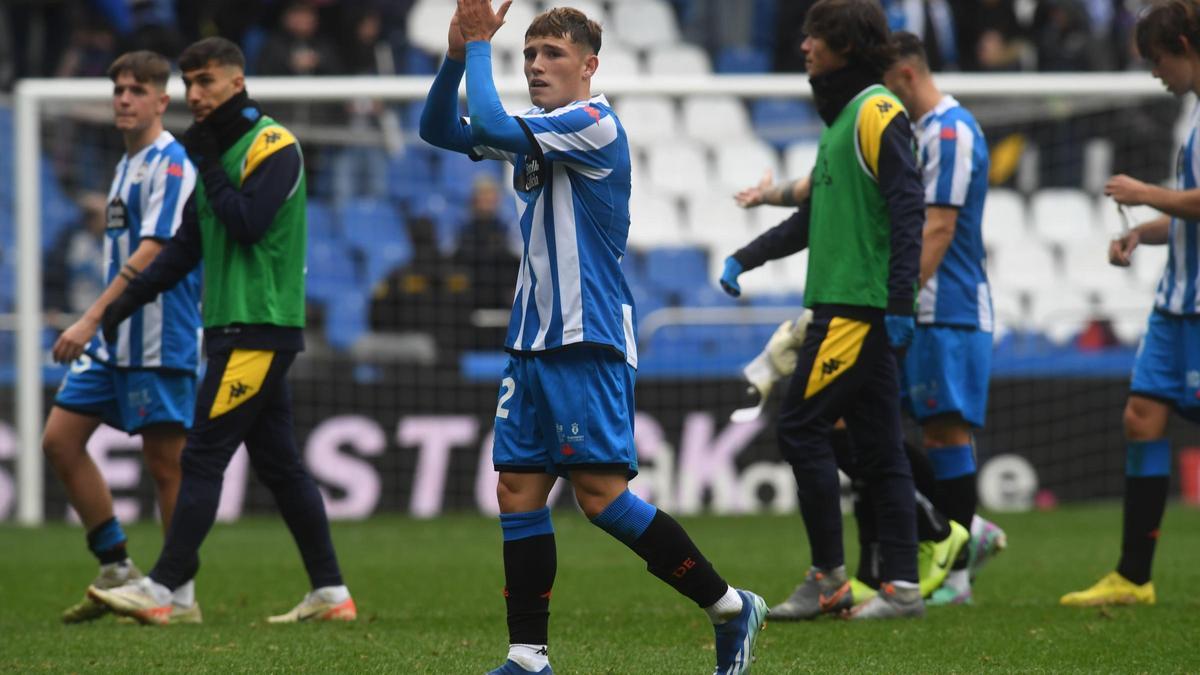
(1177, 288)
(146, 199)
(573, 201)
(954, 167)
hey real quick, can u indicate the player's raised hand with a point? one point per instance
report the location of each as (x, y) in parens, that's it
(70, 345)
(1121, 248)
(457, 46)
(1126, 190)
(754, 196)
(478, 21)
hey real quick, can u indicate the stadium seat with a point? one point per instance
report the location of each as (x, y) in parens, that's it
(346, 320)
(1004, 218)
(1149, 263)
(677, 168)
(784, 121)
(715, 118)
(456, 174)
(1087, 266)
(655, 221)
(678, 59)
(647, 119)
(763, 218)
(592, 9)
(741, 163)
(616, 61)
(411, 173)
(718, 222)
(799, 159)
(743, 59)
(332, 273)
(1063, 216)
(427, 24)
(321, 221)
(1024, 266)
(644, 24)
(376, 231)
(1008, 311)
(1060, 313)
(511, 36)
(1129, 310)
(675, 269)
(414, 61)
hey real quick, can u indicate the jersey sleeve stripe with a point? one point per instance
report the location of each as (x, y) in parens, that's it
(964, 157)
(874, 116)
(593, 137)
(932, 159)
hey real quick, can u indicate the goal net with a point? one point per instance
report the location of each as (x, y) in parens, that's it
(412, 258)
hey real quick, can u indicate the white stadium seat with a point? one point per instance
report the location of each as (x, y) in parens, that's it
(615, 61)
(740, 163)
(1004, 218)
(1063, 216)
(677, 168)
(1024, 266)
(647, 119)
(1060, 313)
(799, 159)
(678, 59)
(511, 36)
(716, 219)
(715, 118)
(644, 24)
(1087, 266)
(654, 220)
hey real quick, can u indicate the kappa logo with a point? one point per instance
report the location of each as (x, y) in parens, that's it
(830, 366)
(272, 137)
(884, 107)
(592, 112)
(237, 390)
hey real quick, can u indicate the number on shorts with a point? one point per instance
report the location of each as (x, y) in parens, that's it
(510, 387)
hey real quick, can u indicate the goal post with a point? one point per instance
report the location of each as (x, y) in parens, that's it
(35, 96)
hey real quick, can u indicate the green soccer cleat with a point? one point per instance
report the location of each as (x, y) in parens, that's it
(935, 558)
(860, 591)
(110, 576)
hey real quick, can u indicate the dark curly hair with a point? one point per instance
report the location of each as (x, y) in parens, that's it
(856, 29)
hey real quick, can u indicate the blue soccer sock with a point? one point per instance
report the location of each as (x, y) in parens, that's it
(530, 564)
(107, 541)
(955, 493)
(1147, 479)
(666, 547)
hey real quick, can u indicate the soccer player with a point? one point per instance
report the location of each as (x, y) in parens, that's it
(948, 365)
(246, 223)
(565, 406)
(1168, 36)
(862, 226)
(143, 381)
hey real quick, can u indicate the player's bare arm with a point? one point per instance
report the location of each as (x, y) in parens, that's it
(767, 191)
(1133, 192)
(478, 21)
(1153, 232)
(70, 345)
(936, 238)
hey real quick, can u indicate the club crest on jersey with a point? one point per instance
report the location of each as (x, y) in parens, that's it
(530, 176)
(115, 215)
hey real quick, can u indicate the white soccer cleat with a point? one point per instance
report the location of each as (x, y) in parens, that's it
(110, 576)
(330, 603)
(143, 600)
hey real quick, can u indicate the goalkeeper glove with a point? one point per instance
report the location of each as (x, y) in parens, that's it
(729, 276)
(899, 330)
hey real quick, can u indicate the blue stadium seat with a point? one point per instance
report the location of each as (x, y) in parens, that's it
(332, 272)
(321, 222)
(704, 295)
(410, 173)
(743, 59)
(456, 174)
(375, 229)
(415, 61)
(677, 270)
(777, 300)
(781, 121)
(346, 320)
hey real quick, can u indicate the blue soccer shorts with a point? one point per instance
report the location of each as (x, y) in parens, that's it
(1167, 365)
(565, 409)
(946, 371)
(127, 399)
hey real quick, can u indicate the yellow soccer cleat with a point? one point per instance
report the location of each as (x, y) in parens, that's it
(1113, 589)
(110, 576)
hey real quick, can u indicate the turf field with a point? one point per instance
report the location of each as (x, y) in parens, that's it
(429, 600)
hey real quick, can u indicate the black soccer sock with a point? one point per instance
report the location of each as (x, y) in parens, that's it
(1147, 477)
(931, 523)
(530, 564)
(107, 541)
(868, 543)
(922, 469)
(955, 491)
(1145, 501)
(669, 552)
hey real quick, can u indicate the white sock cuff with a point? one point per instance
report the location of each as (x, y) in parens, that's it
(332, 593)
(727, 607)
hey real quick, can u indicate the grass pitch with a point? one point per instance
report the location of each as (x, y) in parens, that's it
(429, 602)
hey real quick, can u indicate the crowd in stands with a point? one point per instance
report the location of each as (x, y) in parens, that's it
(440, 254)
